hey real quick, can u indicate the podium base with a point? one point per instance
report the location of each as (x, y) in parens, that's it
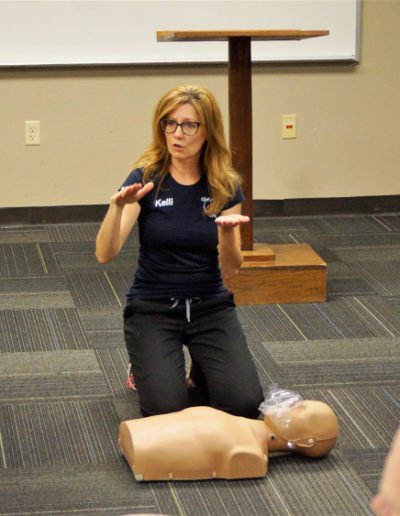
(290, 273)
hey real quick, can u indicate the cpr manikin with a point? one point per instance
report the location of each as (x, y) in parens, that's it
(203, 443)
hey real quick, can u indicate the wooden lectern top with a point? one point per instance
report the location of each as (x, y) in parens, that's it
(224, 35)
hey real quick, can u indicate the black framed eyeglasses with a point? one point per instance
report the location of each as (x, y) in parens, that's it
(170, 126)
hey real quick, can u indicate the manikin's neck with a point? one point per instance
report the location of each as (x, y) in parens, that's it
(276, 443)
(263, 432)
(185, 172)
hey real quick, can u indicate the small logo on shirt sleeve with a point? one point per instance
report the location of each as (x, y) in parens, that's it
(206, 203)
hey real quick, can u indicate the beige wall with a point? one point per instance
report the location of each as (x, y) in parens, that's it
(95, 122)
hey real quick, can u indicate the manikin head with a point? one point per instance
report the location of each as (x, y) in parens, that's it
(304, 426)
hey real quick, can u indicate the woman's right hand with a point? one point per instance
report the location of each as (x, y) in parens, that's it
(119, 220)
(131, 194)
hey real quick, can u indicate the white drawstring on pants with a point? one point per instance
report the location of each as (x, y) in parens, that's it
(188, 302)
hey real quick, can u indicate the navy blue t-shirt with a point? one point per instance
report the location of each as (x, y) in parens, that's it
(178, 254)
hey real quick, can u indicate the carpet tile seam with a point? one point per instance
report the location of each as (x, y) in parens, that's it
(333, 360)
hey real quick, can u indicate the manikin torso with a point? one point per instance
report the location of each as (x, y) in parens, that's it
(202, 442)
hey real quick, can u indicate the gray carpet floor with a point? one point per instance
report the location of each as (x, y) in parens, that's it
(63, 370)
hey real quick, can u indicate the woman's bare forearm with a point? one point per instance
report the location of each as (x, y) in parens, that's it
(121, 216)
(230, 256)
(108, 237)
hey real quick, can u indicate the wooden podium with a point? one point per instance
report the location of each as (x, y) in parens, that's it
(291, 273)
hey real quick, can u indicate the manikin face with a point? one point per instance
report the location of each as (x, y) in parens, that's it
(307, 427)
(181, 146)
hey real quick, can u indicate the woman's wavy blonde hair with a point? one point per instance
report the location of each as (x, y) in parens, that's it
(216, 164)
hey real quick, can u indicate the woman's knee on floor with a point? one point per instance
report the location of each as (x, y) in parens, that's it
(244, 404)
(161, 401)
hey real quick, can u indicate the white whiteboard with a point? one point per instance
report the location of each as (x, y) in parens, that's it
(90, 32)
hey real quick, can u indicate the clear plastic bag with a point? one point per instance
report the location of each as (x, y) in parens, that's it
(278, 401)
(276, 406)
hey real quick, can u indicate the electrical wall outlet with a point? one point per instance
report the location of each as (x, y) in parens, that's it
(32, 132)
(289, 129)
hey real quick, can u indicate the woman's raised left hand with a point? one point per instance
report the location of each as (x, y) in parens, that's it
(232, 220)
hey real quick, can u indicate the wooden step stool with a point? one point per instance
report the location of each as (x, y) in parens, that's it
(290, 273)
